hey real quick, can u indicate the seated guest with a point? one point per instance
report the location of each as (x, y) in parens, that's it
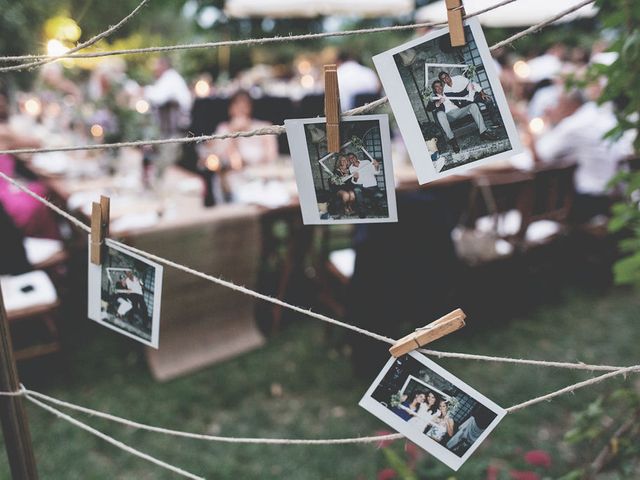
(341, 185)
(29, 215)
(256, 150)
(577, 136)
(448, 110)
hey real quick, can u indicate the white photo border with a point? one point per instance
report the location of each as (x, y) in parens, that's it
(406, 117)
(95, 295)
(423, 441)
(304, 178)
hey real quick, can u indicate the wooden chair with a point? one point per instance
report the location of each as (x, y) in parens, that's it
(31, 300)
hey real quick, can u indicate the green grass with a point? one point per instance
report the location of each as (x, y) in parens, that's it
(318, 400)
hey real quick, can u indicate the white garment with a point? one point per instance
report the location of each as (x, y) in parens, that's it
(134, 285)
(169, 87)
(543, 99)
(459, 83)
(579, 138)
(355, 79)
(422, 418)
(366, 174)
(448, 104)
(546, 66)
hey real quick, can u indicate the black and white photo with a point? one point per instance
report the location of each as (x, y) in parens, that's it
(432, 408)
(356, 184)
(448, 102)
(124, 294)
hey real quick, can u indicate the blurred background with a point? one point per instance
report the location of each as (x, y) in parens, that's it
(542, 251)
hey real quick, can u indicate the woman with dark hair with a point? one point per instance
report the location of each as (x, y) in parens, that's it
(442, 427)
(342, 187)
(409, 408)
(426, 413)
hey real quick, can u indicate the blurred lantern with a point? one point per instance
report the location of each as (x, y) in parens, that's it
(536, 125)
(212, 162)
(202, 88)
(522, 69)
(62, 28)
(142, 106)
(96, 130)
(33, 107)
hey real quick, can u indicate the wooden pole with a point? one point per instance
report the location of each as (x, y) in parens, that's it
(15, 426)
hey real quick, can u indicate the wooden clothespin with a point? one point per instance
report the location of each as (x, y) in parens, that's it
(332, 107)
(455, 12)
(99, 228)
(435, 330)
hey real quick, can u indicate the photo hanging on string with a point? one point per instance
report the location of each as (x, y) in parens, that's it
(356, 184)
(448, 102)
(432, 408)
(125, 293)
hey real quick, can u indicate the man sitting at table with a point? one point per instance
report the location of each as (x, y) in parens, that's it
(449, 109)
(366, 185)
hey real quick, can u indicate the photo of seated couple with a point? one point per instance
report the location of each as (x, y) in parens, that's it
(354, 187)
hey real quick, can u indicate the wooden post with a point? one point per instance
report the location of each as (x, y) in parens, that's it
(15, 426)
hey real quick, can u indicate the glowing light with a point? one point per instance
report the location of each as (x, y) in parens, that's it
(536, 125)
(307, 81)
(56, 47)
(33, 107)
(212, 162)
(304, 67)
(522, 69)
(202, 88)
(62, 28)
(142, 106)
(96, 130)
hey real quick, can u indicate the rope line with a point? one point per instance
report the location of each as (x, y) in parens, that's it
(51, 58)
(310, 313)
(33, 395)
(271, 130)
(113, 441)
(246, 42)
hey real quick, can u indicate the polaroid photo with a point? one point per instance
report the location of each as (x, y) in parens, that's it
(432, 408)
(124, 294)
(448, 102)
(355, 185)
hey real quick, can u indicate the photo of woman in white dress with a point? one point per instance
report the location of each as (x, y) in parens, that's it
(427, 411)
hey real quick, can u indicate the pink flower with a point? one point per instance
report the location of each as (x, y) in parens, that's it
(492, 472)
(412, 450)
(387, 474)
(524, 475)
(384, 443)
(539, 458)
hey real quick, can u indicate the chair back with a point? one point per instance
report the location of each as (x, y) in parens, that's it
(554, 192)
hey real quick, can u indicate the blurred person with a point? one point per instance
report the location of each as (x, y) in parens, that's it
(447, 110)
(354, 79)
(170, 96)
(579, 125)
(236, 153)
(28, 214)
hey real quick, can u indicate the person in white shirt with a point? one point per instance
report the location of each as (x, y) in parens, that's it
(461, 86)
(170, 96)
(446, 110)
(365, 181)
(578, 137)
(134, 289)
(354, 79)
